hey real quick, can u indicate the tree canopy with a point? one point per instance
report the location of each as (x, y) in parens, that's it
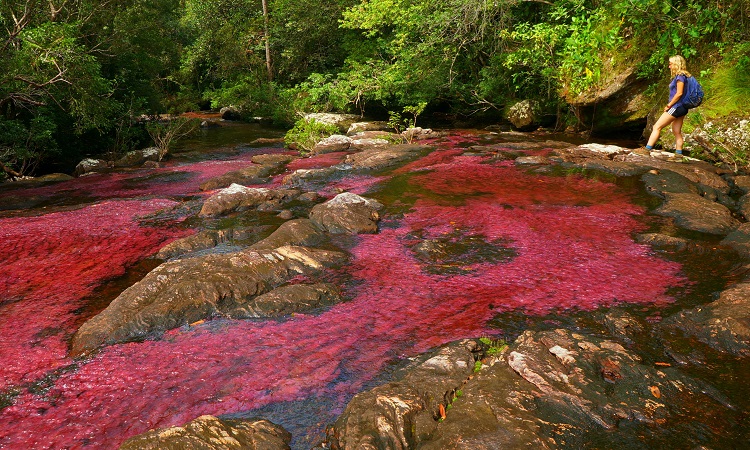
(74, 74)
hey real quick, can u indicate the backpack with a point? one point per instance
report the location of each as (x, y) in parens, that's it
(693, 93)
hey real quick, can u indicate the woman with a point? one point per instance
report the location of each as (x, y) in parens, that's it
(675, 111)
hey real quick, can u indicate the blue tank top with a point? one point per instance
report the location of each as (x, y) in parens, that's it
(673, 88)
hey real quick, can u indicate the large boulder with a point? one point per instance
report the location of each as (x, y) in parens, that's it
(188, 290)
(237, 197)
(293, 232)
(696, 213)
(253, 174)
(347, 213)
(138, 157)
(359, 127)
(211, 433)
(331, 144)
(524, 115)
(399, 415)
(89, 165)
(230, 113)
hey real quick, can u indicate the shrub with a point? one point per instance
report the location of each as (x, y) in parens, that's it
(308, 132)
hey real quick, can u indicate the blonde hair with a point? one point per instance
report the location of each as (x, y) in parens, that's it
(679, 66)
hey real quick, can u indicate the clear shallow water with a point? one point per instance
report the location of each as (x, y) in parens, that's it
(554, 245)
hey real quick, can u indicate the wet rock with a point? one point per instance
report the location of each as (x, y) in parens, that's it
(723, 325)
(381, 158)
(138, 157)
(662, 241)
(184, 291)
(523, 115)
(267, 141)
(285, 214)
(199, 241)
(347, 213)
(293, 232)
(693, 212)
(743, 206)
(211, 433)
(331, 144)
(399, 415)
(230, 113)
(531, 160)
(557, 386)
(210, 124)
(151, 165)
(273, 160)
(739, 240)
(660, 182)
(623, 325)
(359, 127)
(342, 121)
(286, 300)
(254, 174)
(301, 177)
(742, 183)
(240, 197)
(89, 165)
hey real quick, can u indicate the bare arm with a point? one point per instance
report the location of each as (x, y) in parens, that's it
(677, 95)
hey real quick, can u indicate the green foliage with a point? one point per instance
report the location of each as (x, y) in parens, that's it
(308, 132)
(23, 146)
(494, 346)
(400, 122)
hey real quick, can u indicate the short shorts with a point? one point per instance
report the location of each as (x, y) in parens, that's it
(677, 111)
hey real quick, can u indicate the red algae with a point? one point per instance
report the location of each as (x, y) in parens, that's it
(50, 264)
(572, 251)
(317, 161)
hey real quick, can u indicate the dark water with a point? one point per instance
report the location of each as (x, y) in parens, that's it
(469, 246)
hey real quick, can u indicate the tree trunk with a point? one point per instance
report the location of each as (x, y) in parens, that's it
(268, 45)
(9, 171)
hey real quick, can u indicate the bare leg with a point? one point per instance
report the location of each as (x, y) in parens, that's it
(677, 130)
(663, 121)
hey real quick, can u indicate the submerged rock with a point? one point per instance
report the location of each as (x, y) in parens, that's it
(347, 213)
(211, 433)
(184, 291)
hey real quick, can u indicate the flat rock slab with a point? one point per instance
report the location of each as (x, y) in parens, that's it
(253, 174)
(188, 290)
(548, 387)
(237, 197)
(739, 240)
(723, 325)
(293, 232)
(347, 213)
(384, 157)
(211, 433)
(696, 213)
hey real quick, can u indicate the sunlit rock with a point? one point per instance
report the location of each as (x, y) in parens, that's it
(89, 165)
(331, 144)
(359, 127)
(347, 213)
(211, 433)
(381, 158)
(138, 157)
(364, 144)
(237, 197)
(696, 213)
(253, 174)
(524, 115)
(184, 291)
(230, 113)
(292, 232)
(273, 159)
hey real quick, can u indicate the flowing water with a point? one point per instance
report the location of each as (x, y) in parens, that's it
(523, 248)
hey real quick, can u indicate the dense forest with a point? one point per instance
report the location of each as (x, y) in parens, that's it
(75, 75)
